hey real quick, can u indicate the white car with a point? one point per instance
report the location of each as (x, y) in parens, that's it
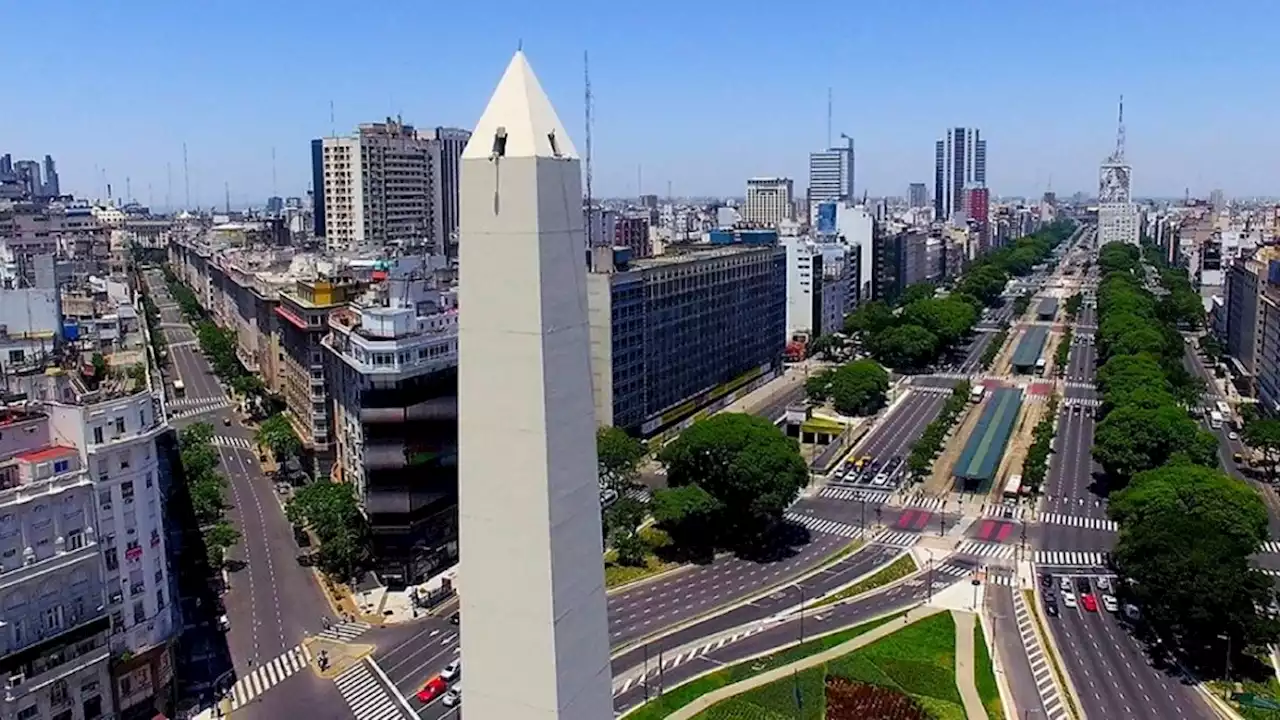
(1069, 600)
(1065, 584)
(1104, 584)
(1233, 435)
(451, 671)
(453, 697)
(1109, 602)
(880, 479)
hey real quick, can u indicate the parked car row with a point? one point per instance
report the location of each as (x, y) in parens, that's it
(439, 686)
(1082, 594)
(869, 471)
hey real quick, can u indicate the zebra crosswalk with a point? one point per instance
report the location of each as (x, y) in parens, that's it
(992, 578)
(268, 675)
(1072, 558)
(986, 549)
(1082, 522)
(1041, 671)
(1271, 546)
(896, 538)
(824, 526)
(186, 402)
(1079, 384)
(1082, 402)
(232, 442)
(932, 389)
(345, 631)
(681, 658)
(209, 406)
(367, 698)
(839, 492)
(925, 503)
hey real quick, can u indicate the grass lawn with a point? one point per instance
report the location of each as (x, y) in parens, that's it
(615, 574)
(675, 698)
(918, 660)
(896, 570)
(984, 675)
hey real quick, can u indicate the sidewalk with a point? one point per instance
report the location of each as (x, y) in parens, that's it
(692, 709)
(964, 666)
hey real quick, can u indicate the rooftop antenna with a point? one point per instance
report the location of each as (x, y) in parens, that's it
(186, 180)
(828, 116)
(226, 189)
(273, 171)
(1119, 155)
(586, 77)
(333, 128)
(128, 190)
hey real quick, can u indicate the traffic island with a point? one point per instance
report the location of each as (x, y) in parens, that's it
(340, 656)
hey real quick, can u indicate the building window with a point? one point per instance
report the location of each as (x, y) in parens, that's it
(29, 712)
(119, 426)
(61, 466)
(126, 488)
(113, 559)
(97, 435)
(53, 618)
(159, 600)
(139, 613)
(124, 461)
(149, 478)
(75, 540)
(93, 708)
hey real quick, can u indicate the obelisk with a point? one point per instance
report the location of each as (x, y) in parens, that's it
(535, 637)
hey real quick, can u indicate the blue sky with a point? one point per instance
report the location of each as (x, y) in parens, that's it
(701, 94)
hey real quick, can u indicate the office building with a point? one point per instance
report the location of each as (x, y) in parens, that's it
(379, 187)
(978, 211)
(1267, 347)
(817, 287)
(448, 146)
(52, 186)
(394, 366)
(632, 232)
(917, 195)
(317, 187)
(831, 175)
(28, 174)
(960, 161)
(675, 333)
(770, 200)
(534, 629)
(302, 326)
(275, 205)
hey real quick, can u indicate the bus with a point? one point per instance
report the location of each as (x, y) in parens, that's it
(179, 390)
(1013, 488)
(1215, 419)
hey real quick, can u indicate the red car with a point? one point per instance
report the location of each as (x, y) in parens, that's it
(1089, 602)
(434, 688)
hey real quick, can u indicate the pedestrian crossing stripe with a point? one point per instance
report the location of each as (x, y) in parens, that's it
(854, 494)
(232, 442)
(1082, 402)
(1271, 546)
(367, 698)
(897, 538)
(345, 631)
(925, 503)
(985, 549)
(1072, 558)
(1041, 671)
(992, 578)
(192, 412)
(931, 389)
(185, 402)
(1081, 522)
(821, 525)
(268, 675)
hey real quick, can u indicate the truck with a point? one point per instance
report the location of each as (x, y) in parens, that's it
(975, 395)
(1040, 365)
(1013, 488)
(1215, 419)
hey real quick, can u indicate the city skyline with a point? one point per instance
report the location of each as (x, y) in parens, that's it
(1042, 118)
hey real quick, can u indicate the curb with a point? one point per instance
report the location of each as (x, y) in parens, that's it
(1051, 645)
(809, 605)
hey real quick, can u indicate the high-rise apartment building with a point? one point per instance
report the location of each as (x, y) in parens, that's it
(379, 186)
(317, 187)
(449, 143)
(770, 200)
(51, 187)
(917, 195)
(1118, 216)
(28, 172)
(394, 365)
(960, 161)
(831, 175)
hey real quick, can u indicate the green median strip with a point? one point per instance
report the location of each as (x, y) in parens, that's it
(681, 695)
(896, 570)
(984, 675)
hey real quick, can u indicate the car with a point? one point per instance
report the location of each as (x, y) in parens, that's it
(1082, 584)
(1109, 602)
(1046, 580)
(608, 497)
(1051, 609)
(1065, 584)
(452, 671)
(1089, 602)
(1069, 600)
(224, 623)
(880, 479)
(455, 618)
(453, 697)
(1233, 435)
(1103, 583)
(434, 688)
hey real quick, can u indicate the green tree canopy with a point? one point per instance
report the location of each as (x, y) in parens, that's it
(1133, 439)
(619, 457)
(330, 510)
(1186, 534)
(870, 317)
(856, 388)
(947, 318)
(744, 463)
(278, 434)
(905, 346)
(915, 293)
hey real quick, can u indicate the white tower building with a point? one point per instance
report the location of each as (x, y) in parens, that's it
(535, 640)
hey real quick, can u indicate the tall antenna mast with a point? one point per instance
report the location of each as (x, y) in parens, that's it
(273, 171)
(586, 78)
(333, 129)
(128, 190)
(828, 116)
(1120, 133)
(186, 179)
(226, 189)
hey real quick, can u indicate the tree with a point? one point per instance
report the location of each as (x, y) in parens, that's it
(1264, 434)
(688, 513)
(1073, 305)
(1186, 534)
(905, 346)
(915, 293)
(200, 433)
(206, 498)
(277, 434)
(947, 318)
(619, 457)
(749, 471)
(871, 317)
(1132, 439)
(625, 515)
(217, 539)
(858, 388)
(329, 509)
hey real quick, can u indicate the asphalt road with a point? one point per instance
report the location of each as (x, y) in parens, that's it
(1111, 673)
(1018, 674)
